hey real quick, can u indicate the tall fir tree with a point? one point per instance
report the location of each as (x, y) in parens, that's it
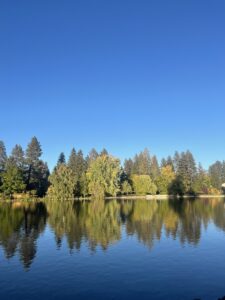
(3, 156)
(154, 170)
(93, 155)
(128, 166)
(186, 170)
(61, 159)
(36, 168)
(18, 157)
(104, 152)
(216, 174)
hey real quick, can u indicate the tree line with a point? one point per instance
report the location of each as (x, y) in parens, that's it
(99, 174)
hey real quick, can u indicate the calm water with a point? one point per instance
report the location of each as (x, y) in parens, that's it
(113, 250)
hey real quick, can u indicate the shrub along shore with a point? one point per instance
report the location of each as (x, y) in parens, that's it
(24, 175)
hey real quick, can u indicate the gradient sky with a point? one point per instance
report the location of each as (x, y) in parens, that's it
(117, 74)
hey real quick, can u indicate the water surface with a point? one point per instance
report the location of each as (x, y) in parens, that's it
(125, 249)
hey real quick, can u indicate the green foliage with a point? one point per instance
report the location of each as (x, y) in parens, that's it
(62, 184)
(77, 164)
(177, 187)
(104, 152)
(84, 185)
(217, 174)
(142, 163)
(61, 159)
(100, 174)
(128, 166)
(154, 169)
(202, 183)
(37, 170)
(165, 179)
(186, 171)
(126, 188)
(3, 156)
(143, 185)
(18, 157)
(33, 152)
(12, 180)
(103, 176)
(93, 154)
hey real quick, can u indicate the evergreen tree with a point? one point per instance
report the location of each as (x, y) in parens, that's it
(42, 174)
(176, 160)
(78, 166)
(216, 174)
(12, 180)
(61, 159)
(72, 161)
(18, 157)
(128, 166)
(37, 169)
(142, 163)
(163, 163)
(155, 171)
(169, 162)
(186, 171)
(80, 163)
(93, 154)
(3, 156)
(84, 185)
(33, 152)
(202, 183)
(104, 152)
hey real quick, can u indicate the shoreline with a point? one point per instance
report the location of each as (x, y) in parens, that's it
(122, 197)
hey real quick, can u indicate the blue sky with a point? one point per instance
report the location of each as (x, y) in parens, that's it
(117, 74)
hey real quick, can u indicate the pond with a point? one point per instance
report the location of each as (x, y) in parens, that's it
(118, 249)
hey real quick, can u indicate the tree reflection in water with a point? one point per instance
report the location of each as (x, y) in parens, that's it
(99, 223)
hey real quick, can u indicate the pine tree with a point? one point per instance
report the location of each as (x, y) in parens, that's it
(72, 161)
(154, 170)
(169, 162)
(186, 171)
(78, 166)
(36, 167)
(12, 180)
(93, 154)
(142, 163)
(61, 159)
(81, 165)
(176, 160)
(18, 158)
(163, 163)
(33, 152)
(216, 174)
(3, 156)
(104, 152)
(128, 166)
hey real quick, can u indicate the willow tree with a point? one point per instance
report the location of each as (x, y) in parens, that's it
(103, 176)
(143, 185)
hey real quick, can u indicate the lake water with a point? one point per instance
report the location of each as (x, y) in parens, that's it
(123, 249)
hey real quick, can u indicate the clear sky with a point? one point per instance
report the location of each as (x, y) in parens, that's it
(121, 74)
